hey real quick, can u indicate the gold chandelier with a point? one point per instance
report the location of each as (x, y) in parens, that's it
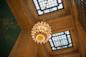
(41, 32)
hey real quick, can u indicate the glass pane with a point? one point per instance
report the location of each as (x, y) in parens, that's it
(60, 6)
(46, 6)
(60, 40)
(51, 42)
(59, 1)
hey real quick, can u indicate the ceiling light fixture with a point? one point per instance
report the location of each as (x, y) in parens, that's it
(41, 32)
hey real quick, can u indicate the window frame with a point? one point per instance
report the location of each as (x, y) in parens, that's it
(47, 8)
(67, 41)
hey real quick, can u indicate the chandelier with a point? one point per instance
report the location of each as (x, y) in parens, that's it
(41, 32)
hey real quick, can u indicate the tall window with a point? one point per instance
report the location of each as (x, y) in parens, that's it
(61, 40)
(46, 6)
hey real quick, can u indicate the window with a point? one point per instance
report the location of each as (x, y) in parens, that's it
(60, 40)
(46, 6)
